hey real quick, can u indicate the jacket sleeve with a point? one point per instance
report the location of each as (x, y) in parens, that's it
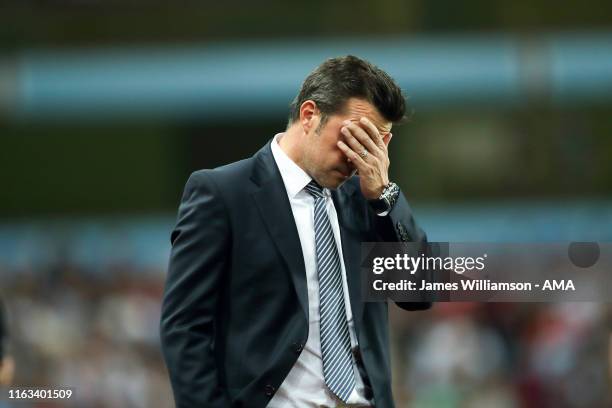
(399, 225)
(198, 262)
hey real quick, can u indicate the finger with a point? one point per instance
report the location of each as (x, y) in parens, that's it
(352, 142)
(352, 155)
(365, 139)
(373, 132)
(387, 138)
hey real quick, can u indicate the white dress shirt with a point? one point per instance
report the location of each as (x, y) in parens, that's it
(305, 385)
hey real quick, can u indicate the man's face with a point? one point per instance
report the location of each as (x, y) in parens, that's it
(323, 159)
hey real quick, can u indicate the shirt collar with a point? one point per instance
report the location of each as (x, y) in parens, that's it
(294, 177)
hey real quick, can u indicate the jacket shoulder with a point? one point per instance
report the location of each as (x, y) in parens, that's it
(227, 174)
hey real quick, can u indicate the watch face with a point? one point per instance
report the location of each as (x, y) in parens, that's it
(386, 200)
(390, 194)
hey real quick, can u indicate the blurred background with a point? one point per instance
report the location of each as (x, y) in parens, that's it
(106, 107)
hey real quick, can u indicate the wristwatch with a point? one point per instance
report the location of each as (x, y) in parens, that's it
(387, 199)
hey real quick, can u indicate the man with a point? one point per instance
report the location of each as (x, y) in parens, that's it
(262, 305)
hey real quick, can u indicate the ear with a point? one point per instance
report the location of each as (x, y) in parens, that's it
(309, 115)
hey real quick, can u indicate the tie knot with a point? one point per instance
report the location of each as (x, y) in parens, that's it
(314, 189)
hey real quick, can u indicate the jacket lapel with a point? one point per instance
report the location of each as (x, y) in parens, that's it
(273, 204)
(274, 207)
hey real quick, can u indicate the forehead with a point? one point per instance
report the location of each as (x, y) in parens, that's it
(356, 108)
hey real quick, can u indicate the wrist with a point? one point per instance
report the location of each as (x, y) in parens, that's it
(375, 194)
(386, 200)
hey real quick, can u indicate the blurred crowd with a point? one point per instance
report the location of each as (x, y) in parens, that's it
(97, 333)
(478, 355)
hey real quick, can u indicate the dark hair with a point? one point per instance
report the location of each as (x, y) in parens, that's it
(336, 80)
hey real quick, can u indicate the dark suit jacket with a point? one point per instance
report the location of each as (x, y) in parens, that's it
(235, 309)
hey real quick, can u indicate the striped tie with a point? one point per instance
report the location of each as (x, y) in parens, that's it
(335, 340)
